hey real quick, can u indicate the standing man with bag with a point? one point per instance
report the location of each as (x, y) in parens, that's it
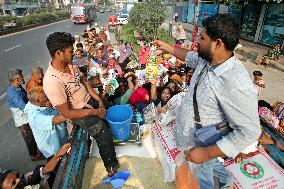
(219, 116)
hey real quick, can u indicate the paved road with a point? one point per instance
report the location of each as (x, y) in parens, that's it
(25, 50)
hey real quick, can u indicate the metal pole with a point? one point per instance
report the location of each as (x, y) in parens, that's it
(195, 25)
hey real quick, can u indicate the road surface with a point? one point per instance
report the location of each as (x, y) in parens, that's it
(25, 50)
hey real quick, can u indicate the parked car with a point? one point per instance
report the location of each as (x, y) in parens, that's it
(102, 10)
(108, 10)
(122, 19)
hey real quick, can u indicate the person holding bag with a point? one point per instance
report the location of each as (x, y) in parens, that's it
(219, 114)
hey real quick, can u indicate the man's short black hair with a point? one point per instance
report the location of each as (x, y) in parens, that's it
(257, 73)
(59, 41)
(79, 45)
(224, 27)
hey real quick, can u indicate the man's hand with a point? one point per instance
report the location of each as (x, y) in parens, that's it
(197, 155)
(101, 112)
(101, 104)
(153, 82)
(240, 158)
(161, 44)
(63, 149)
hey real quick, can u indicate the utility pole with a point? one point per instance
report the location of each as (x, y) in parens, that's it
(194, 40)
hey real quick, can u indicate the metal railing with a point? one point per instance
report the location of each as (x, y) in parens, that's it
(71, 169)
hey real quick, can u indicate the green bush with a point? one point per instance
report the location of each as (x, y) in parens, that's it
(164, 36)
(41, 17)
(147, 17)
(127, 35)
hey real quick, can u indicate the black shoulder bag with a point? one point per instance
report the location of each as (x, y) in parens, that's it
(206, 136)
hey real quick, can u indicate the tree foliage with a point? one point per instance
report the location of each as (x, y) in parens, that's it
(147, 17)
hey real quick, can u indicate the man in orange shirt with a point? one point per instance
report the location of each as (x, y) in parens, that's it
(36, 78)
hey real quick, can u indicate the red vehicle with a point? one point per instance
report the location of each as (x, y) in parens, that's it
(83, 13)
(112, 22)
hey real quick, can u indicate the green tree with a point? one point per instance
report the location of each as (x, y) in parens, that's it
(147, 17)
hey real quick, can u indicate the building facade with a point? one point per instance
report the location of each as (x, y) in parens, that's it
(261, 23)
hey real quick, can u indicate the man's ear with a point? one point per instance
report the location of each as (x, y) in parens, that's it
(219, 43)
(58, 52)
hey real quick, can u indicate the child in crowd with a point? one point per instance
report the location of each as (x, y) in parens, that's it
(81, 62)
(81, 47)
(35, 79)
(258, 81)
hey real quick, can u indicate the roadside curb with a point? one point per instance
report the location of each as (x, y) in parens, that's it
(24, 28)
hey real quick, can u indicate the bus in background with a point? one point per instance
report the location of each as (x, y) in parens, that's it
(83, 13)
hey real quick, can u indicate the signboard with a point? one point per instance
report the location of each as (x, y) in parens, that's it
(259, 171)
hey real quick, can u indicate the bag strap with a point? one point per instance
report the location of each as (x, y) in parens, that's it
(195, 105)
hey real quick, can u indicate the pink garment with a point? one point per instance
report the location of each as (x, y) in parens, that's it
(180, 33)
(62, 87)
(123, 53)
(268, 116)
(143, 55)
(257, 83)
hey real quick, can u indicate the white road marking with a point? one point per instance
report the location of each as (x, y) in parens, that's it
(3, 96)
(12, 48)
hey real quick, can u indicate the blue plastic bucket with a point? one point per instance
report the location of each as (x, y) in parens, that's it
(119, 119)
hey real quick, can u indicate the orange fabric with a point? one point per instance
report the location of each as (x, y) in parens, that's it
(33, 82)
(185, 178)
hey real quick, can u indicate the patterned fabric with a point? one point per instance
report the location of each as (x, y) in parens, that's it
(225, 92)
(279, 110)
(268, 116)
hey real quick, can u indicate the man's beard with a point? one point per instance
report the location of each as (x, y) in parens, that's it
(205, 54)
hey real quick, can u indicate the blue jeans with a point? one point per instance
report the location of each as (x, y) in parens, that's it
(212, 168)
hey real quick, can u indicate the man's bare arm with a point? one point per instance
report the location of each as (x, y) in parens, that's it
(180, 53)
(92, 92)
(65, 110)
(58, 119)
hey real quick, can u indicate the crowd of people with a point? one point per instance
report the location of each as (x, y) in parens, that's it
(218, 115)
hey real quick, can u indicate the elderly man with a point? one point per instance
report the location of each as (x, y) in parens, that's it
(219, 115)
(49, 128)
(35, 79)
(17, 100)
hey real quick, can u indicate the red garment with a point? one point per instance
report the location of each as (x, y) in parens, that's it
(139, 95)
(143, 55)
(112, 20)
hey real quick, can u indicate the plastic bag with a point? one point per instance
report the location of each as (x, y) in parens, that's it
(184, 176)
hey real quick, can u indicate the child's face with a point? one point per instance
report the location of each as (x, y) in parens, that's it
(111, 62)
(257, 77)
(166, 95)
(100, 54)
(78, 54)
(183, 78)
(97, 82)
